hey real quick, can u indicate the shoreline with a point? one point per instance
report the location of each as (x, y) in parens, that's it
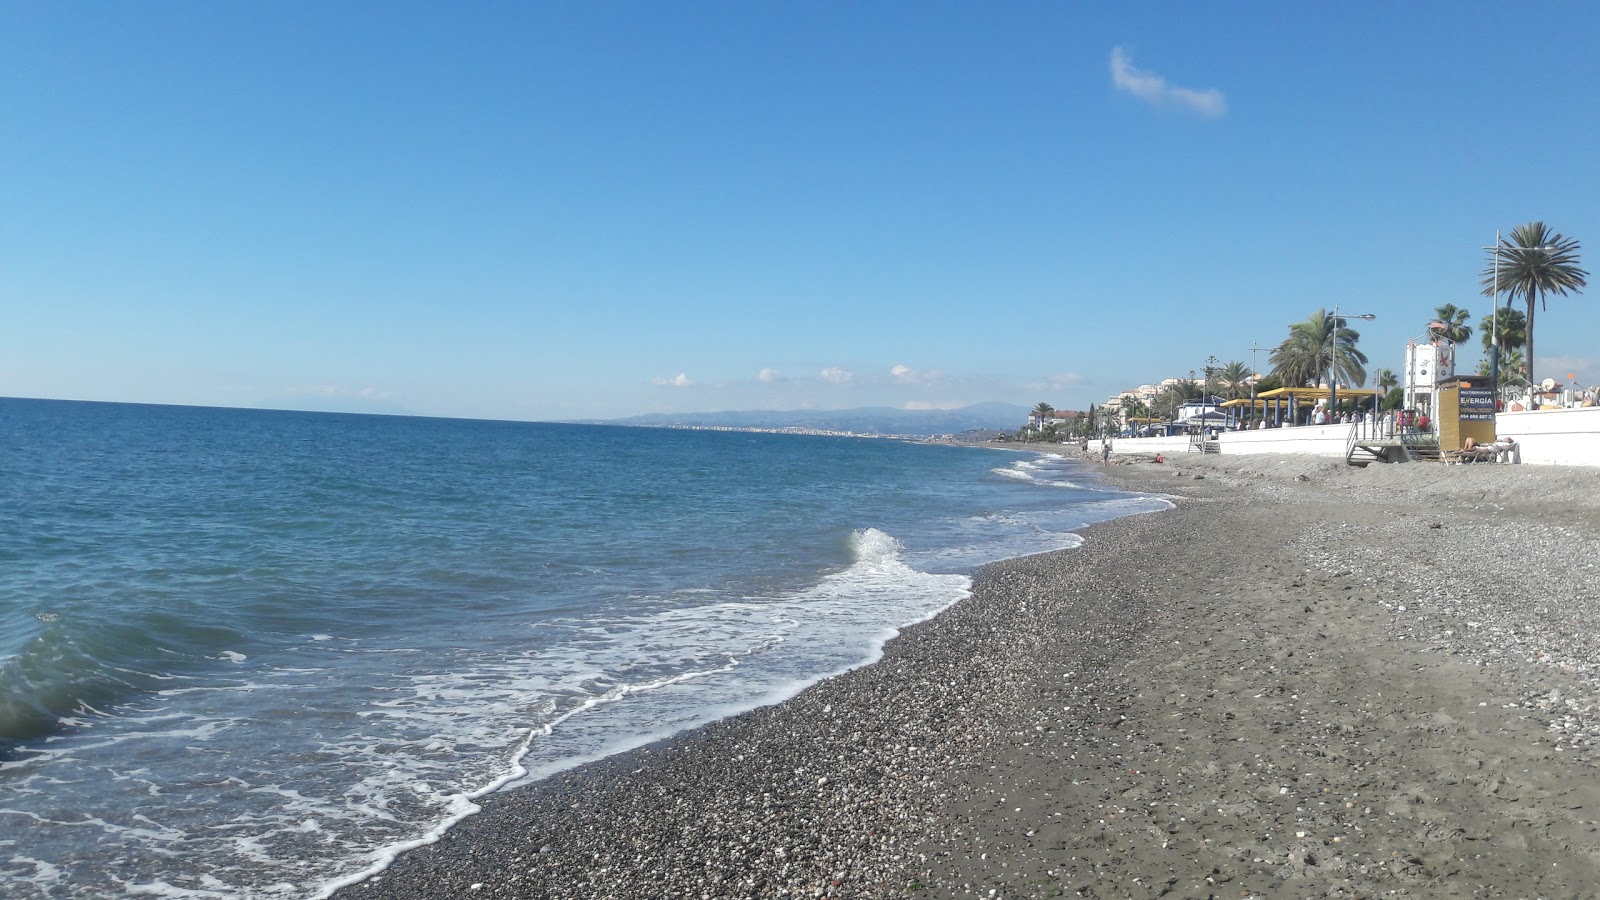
(1350, 707)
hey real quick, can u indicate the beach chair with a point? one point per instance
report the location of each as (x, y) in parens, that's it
(1501, 451)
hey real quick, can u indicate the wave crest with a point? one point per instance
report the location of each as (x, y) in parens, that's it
(872, 547)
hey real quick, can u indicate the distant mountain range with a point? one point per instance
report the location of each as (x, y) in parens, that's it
(864, 420)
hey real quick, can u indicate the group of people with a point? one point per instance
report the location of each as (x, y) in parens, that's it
(1321, 416)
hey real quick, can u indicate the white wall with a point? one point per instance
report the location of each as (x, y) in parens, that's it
(1563, 437)
(1312, 440)
(1148, 446)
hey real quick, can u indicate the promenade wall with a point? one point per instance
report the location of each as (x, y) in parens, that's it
(1312, 440)
(1564, 437)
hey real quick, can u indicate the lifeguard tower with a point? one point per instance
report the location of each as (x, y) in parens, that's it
(1430, 362)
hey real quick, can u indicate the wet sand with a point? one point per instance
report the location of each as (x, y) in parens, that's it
(1305, 681)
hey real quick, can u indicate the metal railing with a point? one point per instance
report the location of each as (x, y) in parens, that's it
(1389, 430)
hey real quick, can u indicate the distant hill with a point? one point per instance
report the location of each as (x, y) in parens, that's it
(864, 420)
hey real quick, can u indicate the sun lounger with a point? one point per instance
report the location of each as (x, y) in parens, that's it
(1497, 452)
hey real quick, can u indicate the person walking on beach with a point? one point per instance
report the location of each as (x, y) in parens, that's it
(1105, 452)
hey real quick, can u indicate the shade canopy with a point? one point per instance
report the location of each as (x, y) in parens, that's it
(1311, 393)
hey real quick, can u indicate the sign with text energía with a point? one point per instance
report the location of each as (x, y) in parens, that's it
(1477, 405)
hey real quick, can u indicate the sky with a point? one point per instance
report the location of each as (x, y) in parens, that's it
(555, 211)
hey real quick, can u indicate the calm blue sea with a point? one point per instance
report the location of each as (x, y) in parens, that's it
(249, 653)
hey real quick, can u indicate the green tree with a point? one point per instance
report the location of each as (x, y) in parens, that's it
(1533, 263)
(1110, 421)
(1234, 379)
(1211, 370)
(1512, 326)
(1453, 323)
(1385, 379)
(1040, 415)
(1511, 367)
(1173, 395)
(1316, 345)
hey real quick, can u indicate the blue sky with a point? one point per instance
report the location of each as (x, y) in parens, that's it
(577, 210)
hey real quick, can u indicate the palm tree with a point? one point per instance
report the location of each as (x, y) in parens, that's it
(1510, 363)
(1453, 324)
(1386, 381)
(1039, 415)
(1533, 263)
(1172, 396)
(1235, 379)
(1316, 345)
(1512, 327)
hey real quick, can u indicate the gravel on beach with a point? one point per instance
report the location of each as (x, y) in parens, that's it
(1306, 680)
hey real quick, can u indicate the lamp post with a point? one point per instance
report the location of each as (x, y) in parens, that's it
(1494, 320)
(1333, 352)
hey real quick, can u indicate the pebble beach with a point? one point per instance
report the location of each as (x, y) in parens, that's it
(1305, 680)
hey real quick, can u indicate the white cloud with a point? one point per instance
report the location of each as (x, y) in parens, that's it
(677, 381)
(1059, 381)
(1153, 89)
(836, 375)
(908, 375)
(770, 375)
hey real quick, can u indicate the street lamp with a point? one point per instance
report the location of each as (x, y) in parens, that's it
(1333, 361)
(1494, 321)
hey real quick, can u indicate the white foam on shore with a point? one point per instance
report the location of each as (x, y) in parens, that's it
(791, 641)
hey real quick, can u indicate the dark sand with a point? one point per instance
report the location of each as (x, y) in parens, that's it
(1305, 681)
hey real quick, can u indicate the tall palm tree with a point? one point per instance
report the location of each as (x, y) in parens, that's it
(1040, 414)
(1316, 345)
(1453, 322)
(1235, 379)
(1512, 327)
(1533, 263)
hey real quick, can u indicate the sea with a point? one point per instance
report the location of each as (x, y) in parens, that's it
(252, 653)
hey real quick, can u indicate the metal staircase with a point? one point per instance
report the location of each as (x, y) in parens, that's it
(1371, 442)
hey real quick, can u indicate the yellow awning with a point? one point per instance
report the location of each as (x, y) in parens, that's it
(1311, 393)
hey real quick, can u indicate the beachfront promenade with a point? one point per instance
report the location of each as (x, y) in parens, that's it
(1307, 680)
(1567, 437)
